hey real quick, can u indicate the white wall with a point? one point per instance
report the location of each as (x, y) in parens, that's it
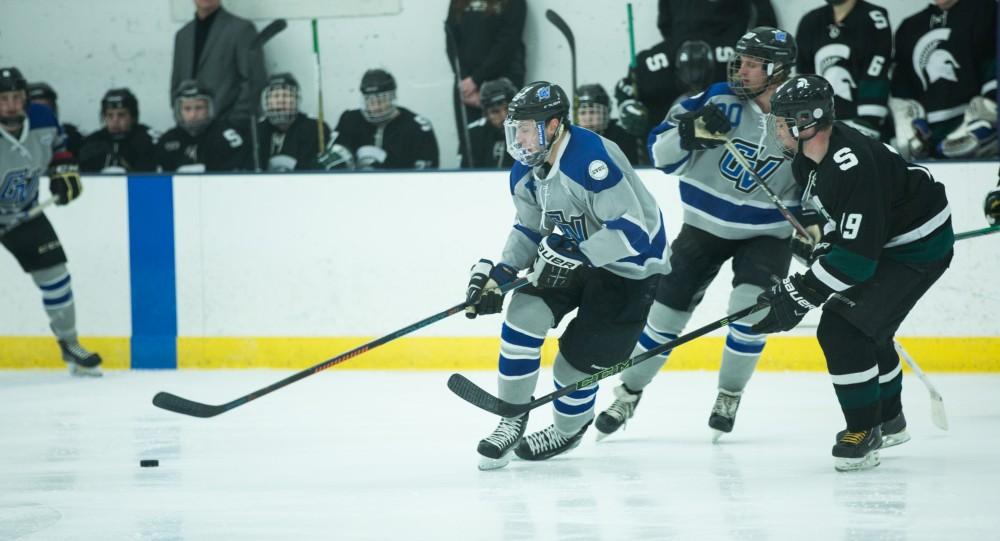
(366, 254)
(83, 48)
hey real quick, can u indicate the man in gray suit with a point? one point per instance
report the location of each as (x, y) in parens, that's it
(215, 49)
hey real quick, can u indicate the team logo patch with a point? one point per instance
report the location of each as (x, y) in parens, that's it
(543, 93)
(781, 36)
(598, 170)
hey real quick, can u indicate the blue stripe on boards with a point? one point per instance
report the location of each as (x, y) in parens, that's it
(153, 275)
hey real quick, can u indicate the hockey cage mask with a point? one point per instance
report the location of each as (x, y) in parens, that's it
(801, 103)
(280, 100)
(768, 48)
(378, 96)
(595, 106)
(527, 116)
(194, 107)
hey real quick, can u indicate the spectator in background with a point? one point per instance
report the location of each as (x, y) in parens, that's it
(287, 140)
(201, 142)
(720, 23)
(595, 115)
(382, 135)
(123, 144)
(485, 37)
(849, 43)
(486, 135)
(44, 94)
(215, 49)
(945, 75)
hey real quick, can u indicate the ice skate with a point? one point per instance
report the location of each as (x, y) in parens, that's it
(893, 432)
(724, 413)
(494, 450)
(857, 450)
(548, 443)
(618, 414)
(80, 361)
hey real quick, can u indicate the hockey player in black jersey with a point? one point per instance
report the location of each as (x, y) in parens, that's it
(287, 140)
(383, 135)
(849, 43)
(945, 74)
(486, 136)
(595, 115)
(201, 142)
(123, 144)
(888, 238)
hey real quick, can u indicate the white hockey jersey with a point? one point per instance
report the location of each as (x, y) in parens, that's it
(25, 159)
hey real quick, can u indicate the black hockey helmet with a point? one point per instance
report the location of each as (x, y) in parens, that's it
(695, 63)
(280, 99)
(377, 80)
(595, 104)
(187, 90)
(805, 101)
(120, 98)
(527, 116)
(11, 79)
(496, 92)
(593, 93)
(42, 91)
(774, 47)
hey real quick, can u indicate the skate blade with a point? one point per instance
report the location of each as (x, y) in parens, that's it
(892, 440)
(857, 464)
(486, 463)
(716, 434)
(84, 371)
(601, 435)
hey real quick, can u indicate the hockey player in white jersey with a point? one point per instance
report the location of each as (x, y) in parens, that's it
(605, 262)
(32, 144)
(726, 217)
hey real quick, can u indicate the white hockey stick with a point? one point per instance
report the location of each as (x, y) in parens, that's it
(937, 403)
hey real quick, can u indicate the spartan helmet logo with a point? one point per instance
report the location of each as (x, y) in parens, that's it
(841, 81)
(830, 61)
(932, 63)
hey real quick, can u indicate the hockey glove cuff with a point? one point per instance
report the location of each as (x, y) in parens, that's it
(558, 260)
(483, 294)
(790, 300)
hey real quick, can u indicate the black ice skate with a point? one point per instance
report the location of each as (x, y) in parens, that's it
(893, 432)
(548, 443)
(81, 362)
(494, 450)
(724, 413)
(618, 414)
(857, 450)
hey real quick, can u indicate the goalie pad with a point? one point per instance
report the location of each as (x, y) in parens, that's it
(977, 136)
(912, 130)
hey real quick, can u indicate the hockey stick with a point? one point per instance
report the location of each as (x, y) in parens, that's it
(319, 88)
(475, 395)
(977, 232)
(263, 37)
(177, 404)
(938, 416)
(26, 216)
(460, 103)
(560, 24)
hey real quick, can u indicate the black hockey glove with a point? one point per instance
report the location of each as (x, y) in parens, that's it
(806, 250)
(703, 129)
(558, 260)
(634, 118)
(64, 180)
(790, 300)
(483, 294)
(625, 89)
(991, 206)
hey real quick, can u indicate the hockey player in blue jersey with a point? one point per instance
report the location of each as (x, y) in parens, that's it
(595, 241)
(727, 217)
(33, 144)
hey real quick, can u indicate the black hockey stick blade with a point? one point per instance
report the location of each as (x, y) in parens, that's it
(268, 32)
(177, 404)
(475, 395)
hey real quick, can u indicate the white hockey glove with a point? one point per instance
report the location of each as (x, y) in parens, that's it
(912, 130)
(977, 136)
(281, 163)
(370, 156)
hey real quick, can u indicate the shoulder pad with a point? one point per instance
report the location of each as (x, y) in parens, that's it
(588, 163)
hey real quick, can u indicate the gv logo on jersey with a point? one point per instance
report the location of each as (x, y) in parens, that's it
(731, 169)
(14, 188)
(575, 227)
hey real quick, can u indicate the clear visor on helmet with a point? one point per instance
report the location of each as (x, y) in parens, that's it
(280, 104)
(193, 114)
(785, 131)
(526, 141)
(593, 116)
(749, 75)
(379, 107)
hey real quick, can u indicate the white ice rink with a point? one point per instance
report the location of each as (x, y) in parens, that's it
(348, 455)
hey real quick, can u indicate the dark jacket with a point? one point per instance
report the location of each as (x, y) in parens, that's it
(221, 147)
(408, 140)
(489, 44)
(136, 151)
(300, 143)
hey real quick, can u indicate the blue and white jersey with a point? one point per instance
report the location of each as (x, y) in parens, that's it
(592, 195)
(718, 195)
(25, 159)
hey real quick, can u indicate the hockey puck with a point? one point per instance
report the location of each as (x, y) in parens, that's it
(149, 463)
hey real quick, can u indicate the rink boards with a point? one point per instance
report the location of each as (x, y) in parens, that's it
(284, 271)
